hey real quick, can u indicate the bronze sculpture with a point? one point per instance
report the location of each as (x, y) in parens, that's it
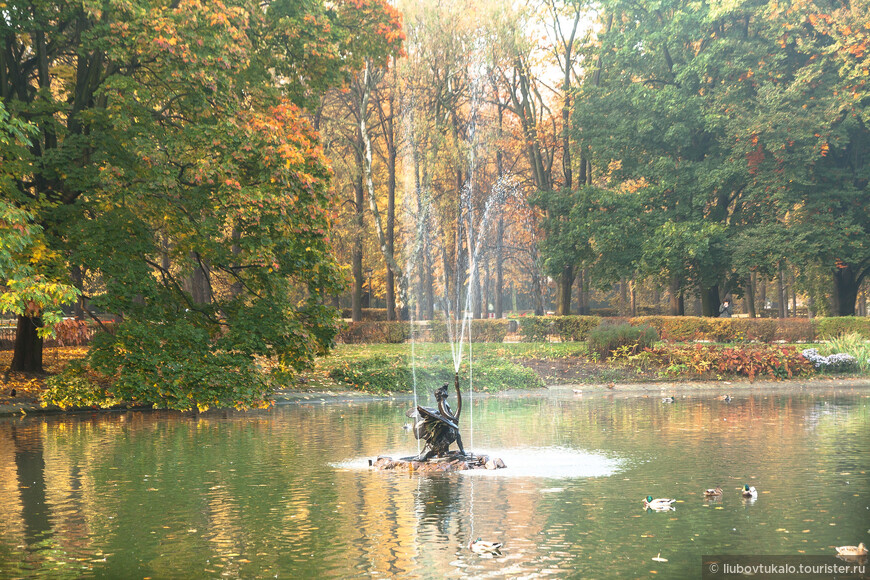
(439, 428)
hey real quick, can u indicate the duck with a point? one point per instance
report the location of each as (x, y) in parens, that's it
(482, 547)
(715, 492)
(660, 504)
(726, 398)
(749, 491)
(670, 399)
(859, 550)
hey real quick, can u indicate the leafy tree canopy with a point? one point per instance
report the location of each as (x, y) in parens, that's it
(176, 175)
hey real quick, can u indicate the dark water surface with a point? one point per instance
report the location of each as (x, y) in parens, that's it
(286, 492)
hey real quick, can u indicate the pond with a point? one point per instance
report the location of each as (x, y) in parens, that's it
(287, 493)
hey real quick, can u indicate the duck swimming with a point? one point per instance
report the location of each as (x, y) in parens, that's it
(859, 550)
(716, 492)
(482, 547)
(748, 491)
(659, 504)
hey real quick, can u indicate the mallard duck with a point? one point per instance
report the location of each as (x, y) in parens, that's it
(482, 547)
(749, 491)
(716, 492)
(726, 398)
(660, 504)
(670, 399)
(859, 550)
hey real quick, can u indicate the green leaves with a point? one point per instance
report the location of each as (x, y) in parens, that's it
(175, 173)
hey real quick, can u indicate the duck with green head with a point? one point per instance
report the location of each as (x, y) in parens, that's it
(660, 504)
(749, 491)
(481, 547)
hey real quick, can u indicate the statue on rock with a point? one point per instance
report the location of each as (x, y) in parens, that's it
(439, 428)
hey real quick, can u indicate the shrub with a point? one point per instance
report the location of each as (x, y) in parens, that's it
(74, 388)
(748, 361)
(482, 330)
(854, 345)
(775, 362)
(374, 332)
(536, 328)
(836, 326)
(723, 330)
(604, 312)
(755, 329)
(676, 328)
(795, 330)
(838, 363)
(367, 314)
(574, 328)
(607, 339)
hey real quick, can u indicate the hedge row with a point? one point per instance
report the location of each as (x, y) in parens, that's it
(689, 328)
(435, 331)
(577, 328)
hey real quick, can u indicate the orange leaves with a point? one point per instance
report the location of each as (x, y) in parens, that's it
(815, 19)
(755, 158)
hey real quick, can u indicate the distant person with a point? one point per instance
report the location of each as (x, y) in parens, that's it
(725, 310)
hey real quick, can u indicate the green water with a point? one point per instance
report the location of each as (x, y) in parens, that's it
(286, 492)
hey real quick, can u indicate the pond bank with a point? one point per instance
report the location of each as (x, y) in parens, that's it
(29, 406)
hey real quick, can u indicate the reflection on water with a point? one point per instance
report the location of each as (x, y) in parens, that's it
(285, 493)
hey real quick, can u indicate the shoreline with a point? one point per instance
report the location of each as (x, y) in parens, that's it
(642, 389)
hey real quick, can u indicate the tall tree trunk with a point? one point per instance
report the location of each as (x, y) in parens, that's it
(623, 296)
(27, 356)
(750, 295)
(862, 303)
(566, 282)
(388, 125)
(538, 294)
(793, 287)
(198, 284)
(846, 285)
(429, 282)
(762, 294)
(710, 301)
(675, 296)
(356, 258)
(632, 293)
(459, 263)
(781, 294)
(391, 235)
(78, 281)
(499, 268)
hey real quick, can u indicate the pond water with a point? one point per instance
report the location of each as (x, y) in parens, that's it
(287, 493)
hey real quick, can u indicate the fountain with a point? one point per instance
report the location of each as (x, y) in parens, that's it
(439, 428)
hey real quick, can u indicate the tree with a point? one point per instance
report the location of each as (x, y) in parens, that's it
(28, 271)
(179, 143)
